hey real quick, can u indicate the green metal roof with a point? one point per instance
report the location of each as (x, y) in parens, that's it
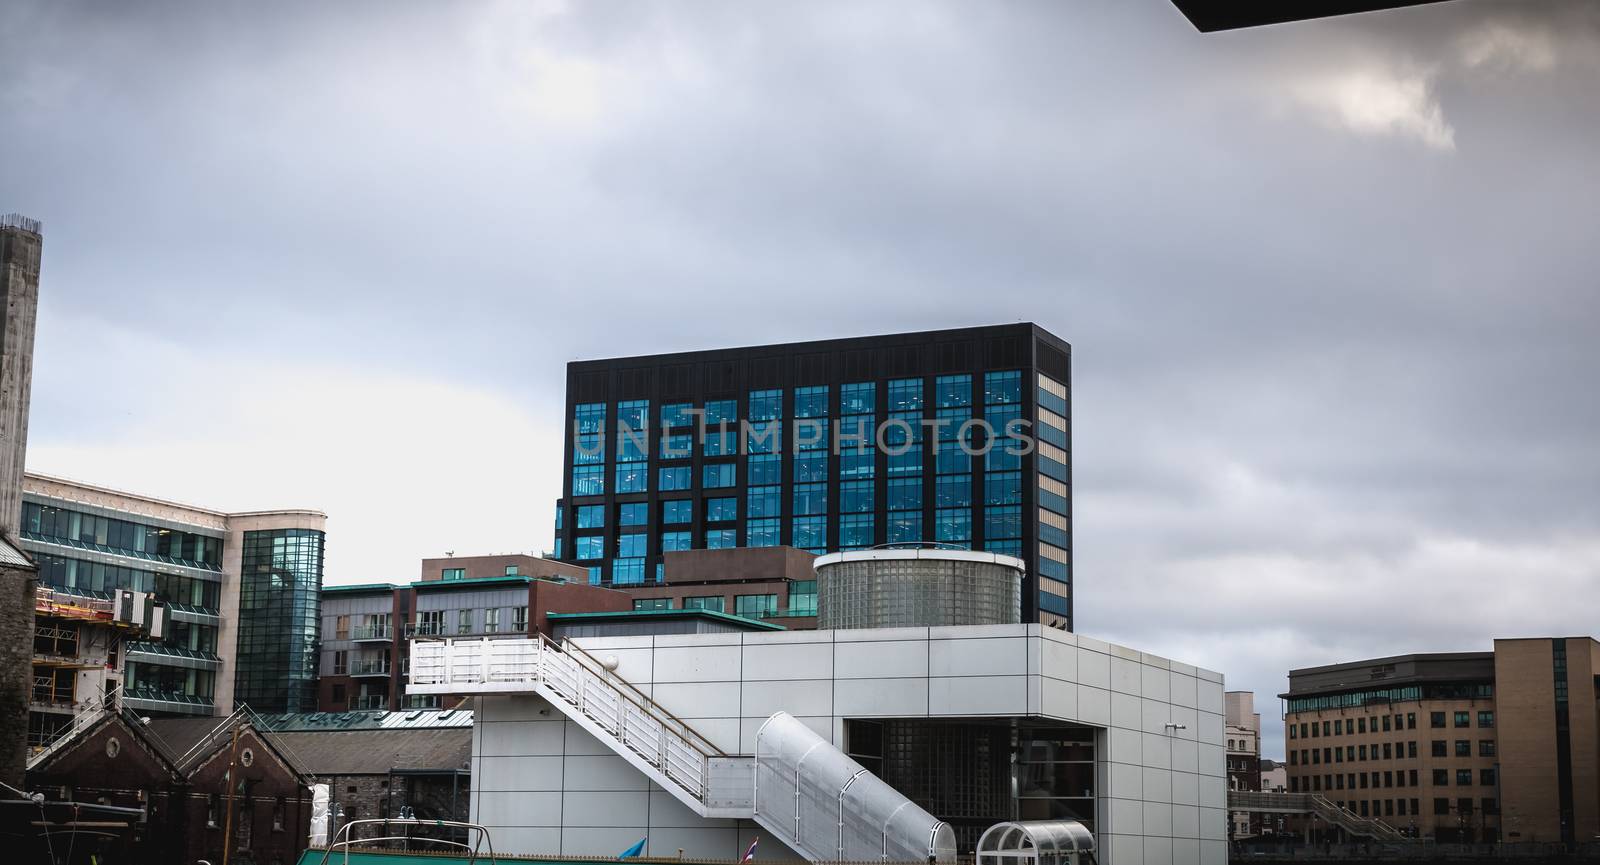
(475, 581)
(634, 615)
(361, 587)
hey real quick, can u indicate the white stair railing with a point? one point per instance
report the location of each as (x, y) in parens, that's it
(567, 674)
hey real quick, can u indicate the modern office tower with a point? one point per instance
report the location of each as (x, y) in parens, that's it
(1471, 746)
(833, 445)
(241, 592)
(20, 243)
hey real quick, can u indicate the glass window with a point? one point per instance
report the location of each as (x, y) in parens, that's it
(721, 410)
(1002, 488)
(717, 475)
(1463, 748)
(858, 398)
(652, 603)
(810, 499)
(591, 516)
(627, 572)
(674, 478)
(952, 525)
(803, 598)
(1486, 719)
(905, 527)
(811, 401)
(588, 480)
(810, 532)
(1436, 720)
(633, 514)
(676, 511)
(810, 466)
(1002, 522)
(855, 497)
(766, 404)
(762, 533)
(677, 446)
(453, 574)
(953, 390)
(591, 547)
(721, 510)
(722, 539)
(855, 531)
(755, 606)
(464, 621)
(905, 494)
(633, 477)
(905, 394)
(703, 602)
(766, 501)
(763, 437)
(854, 463)
(491, 620)
(672, 542)
(589, 417)
(719, 443)
(676, 414)
(1002, 387)
(632, 545)
(953, 491)
(764, 469)
(1463, 719)
(1004, 546)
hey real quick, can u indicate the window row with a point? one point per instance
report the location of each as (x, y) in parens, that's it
(491, 620)
(121, 536)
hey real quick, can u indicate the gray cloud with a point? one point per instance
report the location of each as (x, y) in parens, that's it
(1330, 285)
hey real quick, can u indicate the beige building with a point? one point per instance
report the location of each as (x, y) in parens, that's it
(1242, 730)
(1475, 746)
(241, 592)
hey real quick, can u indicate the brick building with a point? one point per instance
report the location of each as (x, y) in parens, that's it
(1471, 746)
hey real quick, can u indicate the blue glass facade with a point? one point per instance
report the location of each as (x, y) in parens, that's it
(845, 444)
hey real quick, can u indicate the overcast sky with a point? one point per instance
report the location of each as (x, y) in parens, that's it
(1331, 286)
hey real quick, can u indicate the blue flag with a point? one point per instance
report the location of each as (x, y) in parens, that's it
(633, 851)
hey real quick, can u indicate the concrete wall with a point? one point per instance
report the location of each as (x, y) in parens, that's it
(545, 786)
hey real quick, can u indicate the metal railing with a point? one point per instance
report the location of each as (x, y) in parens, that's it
(374, 667)
(93, 710)
(371, 632)
(1314, 803)
(620, 711)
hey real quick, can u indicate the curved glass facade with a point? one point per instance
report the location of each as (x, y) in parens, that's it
(280, 586)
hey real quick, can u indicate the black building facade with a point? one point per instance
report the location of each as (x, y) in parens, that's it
(958, 437)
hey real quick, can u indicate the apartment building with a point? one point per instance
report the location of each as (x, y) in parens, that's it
(1474, 746)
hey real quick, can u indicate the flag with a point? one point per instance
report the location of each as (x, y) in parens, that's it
(633, 851)
(750, 854)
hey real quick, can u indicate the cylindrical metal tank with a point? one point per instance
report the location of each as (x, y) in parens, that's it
(917, 587)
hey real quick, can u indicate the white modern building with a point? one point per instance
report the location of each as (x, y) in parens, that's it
(699, 743)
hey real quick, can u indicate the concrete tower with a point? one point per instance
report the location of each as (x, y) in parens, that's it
(19, 286)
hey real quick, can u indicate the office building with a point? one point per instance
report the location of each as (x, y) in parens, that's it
(367, 628)
(960, 437)
(240, 591)
(20, 246)
(1470, 746)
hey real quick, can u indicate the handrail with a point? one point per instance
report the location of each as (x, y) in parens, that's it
(643, 700)
(483, 837)
(93, 710)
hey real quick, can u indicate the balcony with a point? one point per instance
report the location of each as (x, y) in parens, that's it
(371, 633)
(425, 629)
(370, 701)
(375, 667)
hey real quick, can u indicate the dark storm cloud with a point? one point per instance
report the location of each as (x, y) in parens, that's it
(1330, 285)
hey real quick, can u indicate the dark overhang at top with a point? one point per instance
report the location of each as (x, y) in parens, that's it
(1211, 15)
(1421, 669)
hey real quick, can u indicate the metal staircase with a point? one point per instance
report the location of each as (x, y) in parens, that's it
(803, 776)
(1314, 803)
